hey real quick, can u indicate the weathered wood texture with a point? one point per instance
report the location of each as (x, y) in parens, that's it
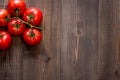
(81, 41)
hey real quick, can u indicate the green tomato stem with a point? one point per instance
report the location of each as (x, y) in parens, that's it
(31, 26)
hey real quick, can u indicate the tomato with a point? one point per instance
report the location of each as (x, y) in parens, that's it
(16, 27)
(4, 15)
(5, 40)
(33, 15)
(16, 6)
(32, 36)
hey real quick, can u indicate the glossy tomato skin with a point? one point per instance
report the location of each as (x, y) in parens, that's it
(16, 4)
(3, 15)
(16, 27)
(36, 17)
(32, 36)
(5, 40)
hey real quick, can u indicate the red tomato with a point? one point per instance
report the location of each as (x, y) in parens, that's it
(3, 17)
(32, 36)
(16, 27)
(33, 15)
(5, 40)
(14, 5)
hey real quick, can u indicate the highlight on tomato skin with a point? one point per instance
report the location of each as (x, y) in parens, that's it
(16, 7)
(33, 15)
(4, 15)
(32, 36)
(16, 27)
(5, 40)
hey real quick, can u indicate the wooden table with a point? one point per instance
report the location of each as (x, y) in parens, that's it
(81, 41)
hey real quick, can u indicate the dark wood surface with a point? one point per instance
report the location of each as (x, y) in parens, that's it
(81, 41)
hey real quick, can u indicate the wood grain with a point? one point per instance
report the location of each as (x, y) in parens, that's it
(81, 41)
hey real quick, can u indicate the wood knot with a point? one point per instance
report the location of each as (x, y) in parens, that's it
(48, 59)
(116, 72)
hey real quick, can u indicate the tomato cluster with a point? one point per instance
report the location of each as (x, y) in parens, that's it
(20, 20)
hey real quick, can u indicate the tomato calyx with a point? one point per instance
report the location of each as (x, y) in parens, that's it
(32, 35)
(17, 10)
(16, 25)
(7, 18)
(0, 35)
(31, 16)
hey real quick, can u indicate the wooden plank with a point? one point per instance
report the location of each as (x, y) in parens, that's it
(79, 40)
(116, 26)
(106, 41)
(109, 40)
(52, 39)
